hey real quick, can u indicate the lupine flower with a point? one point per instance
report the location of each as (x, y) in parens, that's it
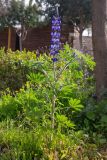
(54, 59)
(55, 37)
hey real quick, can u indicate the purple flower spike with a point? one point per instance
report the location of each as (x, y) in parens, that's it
(55, 37)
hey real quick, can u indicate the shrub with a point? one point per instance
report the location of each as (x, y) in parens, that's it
(37, 122)
(63, 83)
(94, 121)
(14, 68)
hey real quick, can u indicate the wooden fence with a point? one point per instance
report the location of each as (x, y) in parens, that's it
(36, 38)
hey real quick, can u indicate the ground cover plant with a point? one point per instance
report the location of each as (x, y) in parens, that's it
(39, 120)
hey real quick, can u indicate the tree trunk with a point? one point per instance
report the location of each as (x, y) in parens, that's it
(100, 45)
(20, 43)
(81, 26)
(80, 39)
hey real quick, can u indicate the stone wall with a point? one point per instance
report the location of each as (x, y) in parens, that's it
(87, 43)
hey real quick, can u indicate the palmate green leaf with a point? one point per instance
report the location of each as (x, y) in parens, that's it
(75, 104)
(64, 121)
(67, 89)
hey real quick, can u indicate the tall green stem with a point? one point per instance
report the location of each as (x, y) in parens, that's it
(54, 96)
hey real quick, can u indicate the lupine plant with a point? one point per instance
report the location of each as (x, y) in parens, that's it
(41, 112)
(54, 50)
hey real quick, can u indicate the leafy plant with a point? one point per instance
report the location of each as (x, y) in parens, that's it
(14, 69)
(95, 119)
(38, 121)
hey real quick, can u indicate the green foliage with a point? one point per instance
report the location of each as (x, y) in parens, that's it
(94, 119)
(21, 14)
(76, 12)
(14, 69)
(18, 13)
(75, 104)
(36, 122)
(68, 82)
(18, 143)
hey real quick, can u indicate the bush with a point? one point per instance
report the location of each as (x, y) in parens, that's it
(14, 68)
(63, 83)
(38, 121)
(94, 121)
